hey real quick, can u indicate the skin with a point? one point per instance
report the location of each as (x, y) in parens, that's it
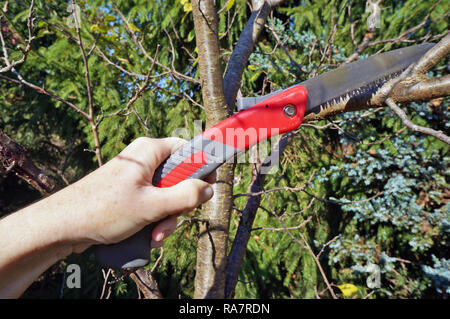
(106, 206)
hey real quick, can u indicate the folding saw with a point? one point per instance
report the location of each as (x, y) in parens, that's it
(260, 118)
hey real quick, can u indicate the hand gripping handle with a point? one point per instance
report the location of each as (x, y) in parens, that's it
(203, 154)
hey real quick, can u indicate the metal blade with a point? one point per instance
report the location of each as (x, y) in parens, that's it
(358, 78)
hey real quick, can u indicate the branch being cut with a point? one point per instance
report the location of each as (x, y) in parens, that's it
(410, 86)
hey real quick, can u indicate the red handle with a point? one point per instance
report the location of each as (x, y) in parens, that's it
(276, 115)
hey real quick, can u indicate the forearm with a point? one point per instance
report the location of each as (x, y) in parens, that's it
(31, 242)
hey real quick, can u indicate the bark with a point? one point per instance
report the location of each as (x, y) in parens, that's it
(14, 158)
(212, 244)
(243, 49)
(146, 283)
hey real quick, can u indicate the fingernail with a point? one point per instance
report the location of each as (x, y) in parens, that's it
(207, 193)
(160, 236)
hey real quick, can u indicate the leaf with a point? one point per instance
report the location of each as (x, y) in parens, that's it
(255, 76)
(110, 18)
(230, 4)
(190, 36)
(133, 27)
(348, 290)
(43, 32)
(187, 7)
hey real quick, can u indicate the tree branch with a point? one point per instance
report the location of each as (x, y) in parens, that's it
(14, 158)
(91, 118)
(243, 49)
(30, 24)
(416, 128)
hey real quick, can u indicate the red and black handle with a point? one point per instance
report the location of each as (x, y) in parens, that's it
(199, 157)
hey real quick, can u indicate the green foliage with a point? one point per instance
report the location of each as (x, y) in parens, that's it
(403, 228)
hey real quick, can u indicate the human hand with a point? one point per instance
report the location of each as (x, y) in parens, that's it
(118, 199)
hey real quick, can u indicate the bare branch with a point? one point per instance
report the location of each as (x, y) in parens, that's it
(370, 35)
(139, 91)
(175, 73)
(21, 80)
(275, 35)
(416, 128)
(302, 224)
(91, 119)
(30, 24)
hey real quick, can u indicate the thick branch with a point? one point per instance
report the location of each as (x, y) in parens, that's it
(245, 227)
(433, 56)
(14, 158)
(242, 51)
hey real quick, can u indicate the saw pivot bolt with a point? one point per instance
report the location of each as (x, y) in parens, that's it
(289, 110)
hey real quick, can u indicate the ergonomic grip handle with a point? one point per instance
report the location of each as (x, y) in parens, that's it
(204, 154)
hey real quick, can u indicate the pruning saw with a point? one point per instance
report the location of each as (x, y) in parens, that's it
(259, 118)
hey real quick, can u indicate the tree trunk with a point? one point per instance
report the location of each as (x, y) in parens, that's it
(212, 244)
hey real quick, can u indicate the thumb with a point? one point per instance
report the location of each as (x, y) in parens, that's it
(180, 198)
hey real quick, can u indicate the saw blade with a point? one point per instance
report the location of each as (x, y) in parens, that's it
(351, 81)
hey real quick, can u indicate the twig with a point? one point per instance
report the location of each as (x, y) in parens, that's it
(105, 281)
(275, 189)
(30, 24)
(175, 73)
(341, 203)
(21, 80)
(302, 224)
(416, 128)
(274, 33)
(139, 91)
(157, 260)
(326, 245)
(91, 119)
(306, 246)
